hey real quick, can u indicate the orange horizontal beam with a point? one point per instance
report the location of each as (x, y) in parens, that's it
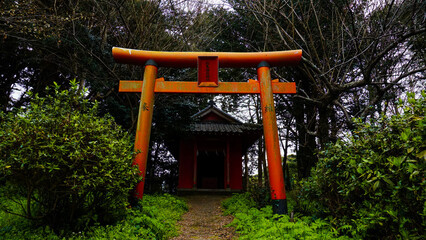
(250, 87)
(189, 59)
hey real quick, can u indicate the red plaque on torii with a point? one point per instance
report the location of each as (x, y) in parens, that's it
(208, 64)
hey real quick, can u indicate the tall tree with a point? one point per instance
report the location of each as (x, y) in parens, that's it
(358, 56)
(44, 41)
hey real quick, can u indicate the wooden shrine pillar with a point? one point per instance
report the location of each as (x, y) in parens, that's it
(194, 182)
(228, 165)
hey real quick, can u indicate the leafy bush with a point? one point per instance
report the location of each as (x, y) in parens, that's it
(373, 184)
(63, 164)
(156, 220)
(253, 223)
(259, 193)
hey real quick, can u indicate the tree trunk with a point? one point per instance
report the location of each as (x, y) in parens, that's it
(306, 142)
(323, 126)
(152, 160)
(285, 165)
(246, 174)
(265, 170)
(260, 160)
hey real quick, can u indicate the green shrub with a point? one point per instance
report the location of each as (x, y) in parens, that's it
(155, 220)
(373, 184)
(259, 193)
(253, 223)
(63, 164)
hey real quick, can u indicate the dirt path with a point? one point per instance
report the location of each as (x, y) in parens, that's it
(204, 220)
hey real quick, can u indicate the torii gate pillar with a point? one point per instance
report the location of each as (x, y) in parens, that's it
(208, 63)
(143, 130)
(270, 132)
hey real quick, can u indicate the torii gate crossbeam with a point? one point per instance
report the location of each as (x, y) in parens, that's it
(207, 63)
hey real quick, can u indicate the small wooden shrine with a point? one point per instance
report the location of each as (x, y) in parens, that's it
(211, 150)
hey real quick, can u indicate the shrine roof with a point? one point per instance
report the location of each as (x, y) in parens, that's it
(212, 120)
(224, 128)
(212, 109)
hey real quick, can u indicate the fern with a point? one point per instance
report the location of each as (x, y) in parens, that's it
(253, 223)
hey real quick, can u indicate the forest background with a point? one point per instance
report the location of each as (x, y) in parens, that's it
(359, 58)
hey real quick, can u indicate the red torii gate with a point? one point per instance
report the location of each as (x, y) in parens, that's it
(208, 64)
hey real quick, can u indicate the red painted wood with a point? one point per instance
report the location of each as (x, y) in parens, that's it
(212, 117)
(228, 165)
(208, 71)
(236, 165)
(195, 163)
(251, 87)
(189, 59)
(186, 164)
(270, 132)
(232, 152)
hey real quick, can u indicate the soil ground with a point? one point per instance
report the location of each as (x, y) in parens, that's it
(205, 219)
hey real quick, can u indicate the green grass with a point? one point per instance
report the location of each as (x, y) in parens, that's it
(253, 223)
(156, 219)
